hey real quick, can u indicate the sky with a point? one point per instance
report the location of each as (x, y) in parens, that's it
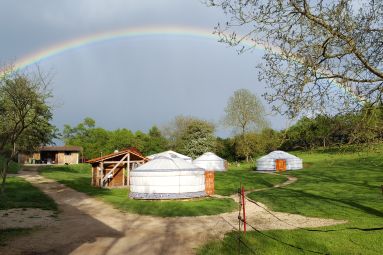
(131, 82)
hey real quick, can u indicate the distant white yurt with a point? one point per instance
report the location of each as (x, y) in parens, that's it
(269, 161)
(171, 154)
(210, 162)
(167, 178)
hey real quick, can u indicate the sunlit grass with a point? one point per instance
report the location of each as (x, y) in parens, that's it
(335, 185)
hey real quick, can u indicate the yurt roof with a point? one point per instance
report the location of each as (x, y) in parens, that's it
(164, 163)
(170, 154)
(278, 155)
(208, 156)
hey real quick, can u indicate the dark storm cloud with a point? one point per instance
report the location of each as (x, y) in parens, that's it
(133, 83)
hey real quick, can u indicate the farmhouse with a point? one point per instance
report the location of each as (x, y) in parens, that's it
(279, 161)
(52, 155)
(113, 170)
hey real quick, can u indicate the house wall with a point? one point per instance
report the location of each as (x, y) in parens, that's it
(67, 158)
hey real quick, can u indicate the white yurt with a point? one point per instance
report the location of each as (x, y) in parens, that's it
(268, 162)
(167, 178)
(171, 154)
(210, 162)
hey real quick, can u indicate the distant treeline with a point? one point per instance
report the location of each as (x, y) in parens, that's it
(193, 136)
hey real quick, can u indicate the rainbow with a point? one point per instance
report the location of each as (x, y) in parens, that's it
(126, 33)
(120, 34)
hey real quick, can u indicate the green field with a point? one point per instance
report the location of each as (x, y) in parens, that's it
(333, 185)
(21, 194)
(227, 183)
(78, 177)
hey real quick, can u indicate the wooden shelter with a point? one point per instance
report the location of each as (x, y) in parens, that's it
(113, 170)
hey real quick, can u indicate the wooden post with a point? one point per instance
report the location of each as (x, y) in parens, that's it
(101, 184)
(128, 171)
(243, 208)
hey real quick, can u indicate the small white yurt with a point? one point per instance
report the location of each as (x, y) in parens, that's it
(171, 154)
(269, 161)
(167, 178)
(210, 162)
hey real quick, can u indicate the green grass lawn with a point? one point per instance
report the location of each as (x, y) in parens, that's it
(78, 178)
(21, 194)
(227, 183)
(334, 185)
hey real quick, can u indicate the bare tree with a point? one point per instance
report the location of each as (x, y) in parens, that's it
(312, 47)
(244, 112)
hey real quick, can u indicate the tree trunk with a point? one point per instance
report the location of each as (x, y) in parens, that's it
(4, 175)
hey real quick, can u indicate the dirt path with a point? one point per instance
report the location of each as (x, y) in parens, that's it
(86, 225)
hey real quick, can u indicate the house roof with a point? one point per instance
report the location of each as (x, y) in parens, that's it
(131, 150)
(61, 148)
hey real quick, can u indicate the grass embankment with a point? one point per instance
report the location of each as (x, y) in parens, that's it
(343, 186)
(21, 194)
(78, 177)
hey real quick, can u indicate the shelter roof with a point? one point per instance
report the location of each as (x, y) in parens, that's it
(131, 150)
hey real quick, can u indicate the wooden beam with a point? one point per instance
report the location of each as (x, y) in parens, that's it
(114, 162)
(114, 168)
(128, 171)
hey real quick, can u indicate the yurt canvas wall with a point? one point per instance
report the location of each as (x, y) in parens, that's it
(268, 162)
(210, 162)
(167, 178)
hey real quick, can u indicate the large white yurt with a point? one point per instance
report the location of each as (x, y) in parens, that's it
(210, 162)
(167, 178)
(171, 154)
(268, 162)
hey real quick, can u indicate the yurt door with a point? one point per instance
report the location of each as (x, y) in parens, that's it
(280, 165)
(209, 182)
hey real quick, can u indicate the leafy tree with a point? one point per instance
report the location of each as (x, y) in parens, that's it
(225, 148)
(190, 135)
(93, 140)
(156, 142)
(25, 116)
(197, 138)
(310, 47)
(97, 141)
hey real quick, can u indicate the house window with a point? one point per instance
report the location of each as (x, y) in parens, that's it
(67, 153)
